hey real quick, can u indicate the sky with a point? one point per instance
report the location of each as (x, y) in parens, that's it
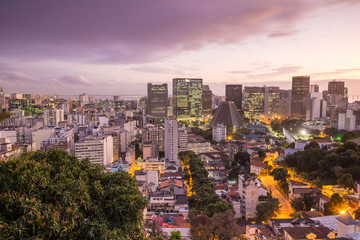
(115, 47)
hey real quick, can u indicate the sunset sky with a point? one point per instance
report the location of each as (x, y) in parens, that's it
(116, 47)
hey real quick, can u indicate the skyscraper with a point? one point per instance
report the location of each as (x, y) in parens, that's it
(187, 97)
(261, 102)
(157, 100)
(207, 101)
(233, 93)
(336, 87)
(300, 90)
(171, 139)
(2, 99)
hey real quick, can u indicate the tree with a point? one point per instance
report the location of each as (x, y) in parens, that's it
(267, 210)
(357, 213)
(335, 206)
(309, 202)
(346, 181)
(222, 226)
(298, 205)
(175, 235)
(261, 153)
(311, 145)
(156, 232)
(282, 176)
(4, 115)
(54, 196)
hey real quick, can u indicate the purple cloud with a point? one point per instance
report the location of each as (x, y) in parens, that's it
(17, 77)
(117, 31)
(73, 80)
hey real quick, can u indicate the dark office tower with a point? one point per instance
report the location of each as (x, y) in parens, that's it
(187, 97)
(300, 90)
(336, 87)
(233, 93)
(157, 100)
(207, 101)
(2, 99)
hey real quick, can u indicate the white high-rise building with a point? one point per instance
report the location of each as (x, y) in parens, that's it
(316, 106)
(219, 132)
(171, 139)
(248, 188)
(347, 120)
(96, 149)
(53, 116)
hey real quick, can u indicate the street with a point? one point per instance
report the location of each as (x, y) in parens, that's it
(269, 183)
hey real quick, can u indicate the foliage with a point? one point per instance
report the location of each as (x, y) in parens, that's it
(54, 196)
(303, 204)
(267, 210)
(241, 159)
(318, 164)
(357, 213)
(206, 134)
(204, 200)
(156, 232)
(261, 154)
(282, 176)
(346, 181)
(138, 152)
(312, 145)
(335, 206)
(4, 115)
(175, 235)
(222, 226)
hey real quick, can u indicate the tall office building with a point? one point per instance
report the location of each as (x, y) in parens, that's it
(2, 99)
(171, 139)
(261, 103)
(157, 100)
(300, 90)
(336, 87)
(233, 92)
(187, 97)
(207, 101)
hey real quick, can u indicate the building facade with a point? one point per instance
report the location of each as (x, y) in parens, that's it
(300, 90)
(233, 92)
(187, 97)
(157, 100)
(171, 140)
(98, 150)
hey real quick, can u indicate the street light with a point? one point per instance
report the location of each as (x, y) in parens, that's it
(303, 132)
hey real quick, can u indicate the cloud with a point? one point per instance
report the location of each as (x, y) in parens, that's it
(73, 80)
(335, 72)
(17, 77)
(239, 72)
(128, 32)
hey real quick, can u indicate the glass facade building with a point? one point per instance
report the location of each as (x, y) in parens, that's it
(300, 90)
(157, 100)
(187, 97)
(233, 93)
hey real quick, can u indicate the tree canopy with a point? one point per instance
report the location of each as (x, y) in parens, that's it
(267, 210)
(54, 196)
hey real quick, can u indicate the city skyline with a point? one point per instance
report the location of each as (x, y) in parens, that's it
(122, 46)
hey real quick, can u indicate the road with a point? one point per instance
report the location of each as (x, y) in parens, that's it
(269, 184)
